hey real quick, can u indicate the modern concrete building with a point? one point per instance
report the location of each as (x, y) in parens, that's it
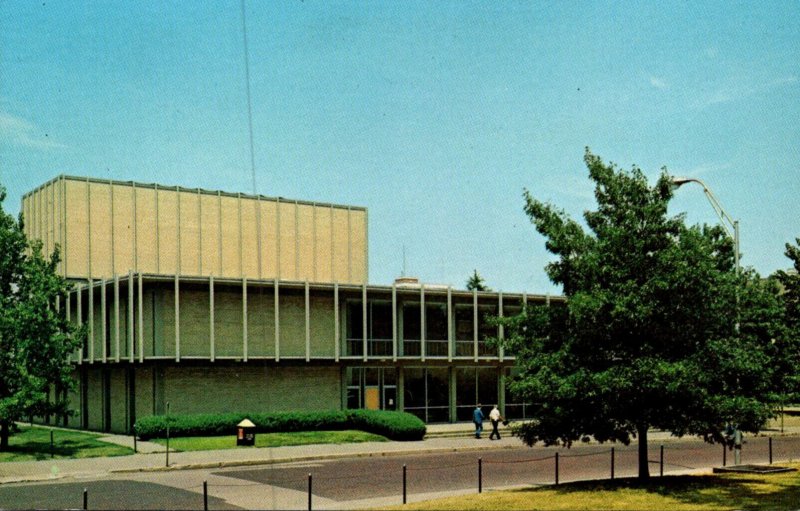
(217, 302)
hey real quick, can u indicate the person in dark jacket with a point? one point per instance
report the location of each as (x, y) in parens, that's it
(477, 418)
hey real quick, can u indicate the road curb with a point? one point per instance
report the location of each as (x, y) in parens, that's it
(294, 459)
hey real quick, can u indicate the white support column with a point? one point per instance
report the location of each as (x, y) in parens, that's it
(244, 316)
(277, 323)
(130, 316)
(422, 322)
(141, 320)
(90, 291)
(79, 291)
(394, 322)
(449, 324)
(116, 318)
(308, 322)
(69, 317)
(177, 319)
(364, 319)
(336, 337)
(211, 347)
(475, 324)
(501, 330)
(103, 332)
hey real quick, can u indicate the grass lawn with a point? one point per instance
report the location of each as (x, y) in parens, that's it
(204, 443)
(33, 443)
(700, 492)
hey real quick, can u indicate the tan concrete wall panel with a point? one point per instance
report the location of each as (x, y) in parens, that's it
(228, 321)
(167, 232)
(341, 253)
(146, 221)
(231, 243)
(322, 326)
(293, 324)
(358, 245)
(323, 246)
(77, 255)
(190, 233)
(100, 217)
(250, 242)
(209, 219)
(305, 246)
(123, 229)
(288, 266)
(269, 239)
(260, 322)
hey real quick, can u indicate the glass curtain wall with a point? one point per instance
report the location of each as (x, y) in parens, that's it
(412, 344)
(436, 330)
(475, 385)
(426, 393)
(379, 328)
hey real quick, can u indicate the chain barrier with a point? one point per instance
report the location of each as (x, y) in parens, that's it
(478, 463)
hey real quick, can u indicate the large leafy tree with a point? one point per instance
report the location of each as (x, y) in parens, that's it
(790, 296)
(649, 335)
(35, 337)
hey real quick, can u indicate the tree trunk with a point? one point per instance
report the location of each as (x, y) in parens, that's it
(4, 433)
(644, 462)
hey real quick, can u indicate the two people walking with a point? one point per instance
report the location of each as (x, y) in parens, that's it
(494, 416)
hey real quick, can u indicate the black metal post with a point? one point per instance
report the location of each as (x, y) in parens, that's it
(724, 455)
(404, 483)
(556, 469)
(309, 491)
(167, 433)
(85, 498)
(51, 444)
(661, 462)
(205, 495)
(135, 449)
(770, 450)
(480, 475)
(612, 463)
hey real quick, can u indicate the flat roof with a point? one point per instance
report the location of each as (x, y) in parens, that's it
(202, 191)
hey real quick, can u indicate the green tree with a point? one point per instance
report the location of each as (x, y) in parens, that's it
(35, 337)
(790, 296)
(476, 283)
(647, 337)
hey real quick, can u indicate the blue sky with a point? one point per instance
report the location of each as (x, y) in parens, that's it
(433, 115)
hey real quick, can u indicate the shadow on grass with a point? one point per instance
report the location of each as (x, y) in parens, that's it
(33, 444)
(774, 491)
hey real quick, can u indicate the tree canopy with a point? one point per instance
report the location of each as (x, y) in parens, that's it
(35, 336)
(648, 335)
(476, 283)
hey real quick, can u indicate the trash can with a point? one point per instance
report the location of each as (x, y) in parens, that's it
(245, 433)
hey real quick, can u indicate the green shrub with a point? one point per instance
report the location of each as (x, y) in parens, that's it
(392, 425)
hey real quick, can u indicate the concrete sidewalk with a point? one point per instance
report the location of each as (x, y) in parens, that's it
(152, 457)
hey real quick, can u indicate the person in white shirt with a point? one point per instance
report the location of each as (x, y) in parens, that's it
(495, 417)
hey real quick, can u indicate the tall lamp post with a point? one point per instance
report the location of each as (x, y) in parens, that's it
(731, 227)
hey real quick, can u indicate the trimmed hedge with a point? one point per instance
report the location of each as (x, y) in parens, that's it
(392, 425)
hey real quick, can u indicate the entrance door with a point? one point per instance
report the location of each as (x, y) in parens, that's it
(372, 398)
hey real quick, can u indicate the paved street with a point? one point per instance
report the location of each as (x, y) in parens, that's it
(372, 481)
